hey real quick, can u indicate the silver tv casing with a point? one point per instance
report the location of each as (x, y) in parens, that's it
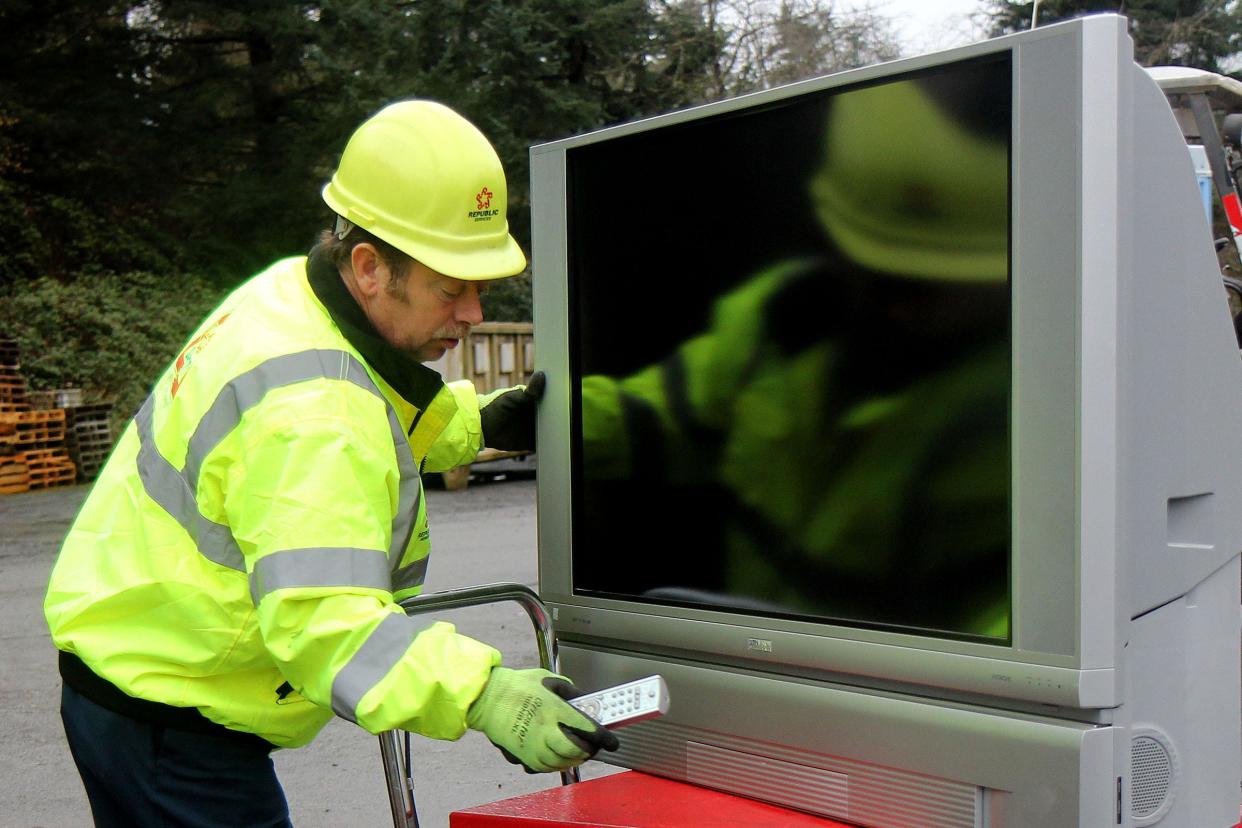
(1117, 701)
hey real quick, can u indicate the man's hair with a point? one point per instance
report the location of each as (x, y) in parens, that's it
(338, 251)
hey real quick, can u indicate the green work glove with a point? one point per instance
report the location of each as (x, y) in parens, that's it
(524, 713)
(509, 417)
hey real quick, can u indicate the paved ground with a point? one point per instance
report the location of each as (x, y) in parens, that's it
(482, 534)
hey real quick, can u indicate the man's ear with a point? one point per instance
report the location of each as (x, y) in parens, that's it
(370, 273)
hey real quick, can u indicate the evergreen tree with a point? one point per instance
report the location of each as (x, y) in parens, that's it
(153, 153)
(175, 136)
(205, 128)
(73, 135)
(1198, 33)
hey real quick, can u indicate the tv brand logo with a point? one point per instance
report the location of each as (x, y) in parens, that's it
(759, 645)
(483, 200)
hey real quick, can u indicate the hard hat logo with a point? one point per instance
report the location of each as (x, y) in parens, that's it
(484, 202)
(405, 176)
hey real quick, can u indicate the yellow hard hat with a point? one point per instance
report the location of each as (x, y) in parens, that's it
(425, 180)
(907, 189)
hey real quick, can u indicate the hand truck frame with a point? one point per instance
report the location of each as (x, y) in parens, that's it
(398, 773)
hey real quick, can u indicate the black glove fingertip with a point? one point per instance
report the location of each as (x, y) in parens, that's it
(593, 741)
(535, 385)
(562, 687)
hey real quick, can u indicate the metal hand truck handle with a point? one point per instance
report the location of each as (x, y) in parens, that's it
(400, 781)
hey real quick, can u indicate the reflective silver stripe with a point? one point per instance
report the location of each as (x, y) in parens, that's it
(247, 390)
(408, 577)
(320, 567)
(382, 650)
(409, 492)
(167, 487)
(175, 490)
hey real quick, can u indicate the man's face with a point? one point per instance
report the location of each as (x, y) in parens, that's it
(425, 313)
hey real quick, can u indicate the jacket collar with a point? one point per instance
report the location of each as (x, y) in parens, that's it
(414, 381)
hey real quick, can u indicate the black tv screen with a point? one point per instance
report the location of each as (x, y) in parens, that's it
(790, 342)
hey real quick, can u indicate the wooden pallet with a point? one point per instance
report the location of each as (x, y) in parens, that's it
(41, 457)
(88, 419)
(12, 385)
(90, 440)
(49, 467)
(93, 411)
(88, 436)
(33, 429)
(89, 466)
(14, 476)
(37, 438)
(86, 428)
(53, 478)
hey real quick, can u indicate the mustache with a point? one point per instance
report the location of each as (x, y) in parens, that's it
(453, 332)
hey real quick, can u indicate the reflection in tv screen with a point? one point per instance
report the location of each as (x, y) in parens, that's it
(790, 339)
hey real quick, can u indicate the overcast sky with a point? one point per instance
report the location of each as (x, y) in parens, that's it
(928, 25)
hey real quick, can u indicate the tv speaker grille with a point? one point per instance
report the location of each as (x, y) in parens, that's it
(1151, 777)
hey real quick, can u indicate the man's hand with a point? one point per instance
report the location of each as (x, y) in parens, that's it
(509, 417)
(524, 713)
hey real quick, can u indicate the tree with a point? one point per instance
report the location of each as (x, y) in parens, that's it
(253, 102)
(71, 129)
(769, 44)
(185, 141)
(1198, 33)
(211, 124)
(193, 135)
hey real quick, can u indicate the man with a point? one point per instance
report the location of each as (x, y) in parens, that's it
(231, 582)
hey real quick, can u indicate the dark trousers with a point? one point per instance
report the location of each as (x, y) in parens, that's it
(140, 775)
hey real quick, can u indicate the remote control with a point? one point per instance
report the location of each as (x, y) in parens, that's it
(625, 704)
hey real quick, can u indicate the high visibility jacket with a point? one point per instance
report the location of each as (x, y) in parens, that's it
(848, 470)
(242, 551)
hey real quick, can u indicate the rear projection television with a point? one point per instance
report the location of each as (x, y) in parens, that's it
(888, 419)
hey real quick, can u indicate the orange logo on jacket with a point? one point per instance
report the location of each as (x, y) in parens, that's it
(186, 358)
